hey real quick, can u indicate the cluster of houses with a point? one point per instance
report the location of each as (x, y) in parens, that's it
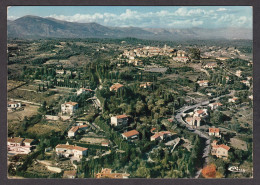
(210, 65)
(195, 118)
(149, 51)
(181, 56)
(18, 145)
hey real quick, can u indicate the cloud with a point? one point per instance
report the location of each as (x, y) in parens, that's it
(181, 17)
(221, 9)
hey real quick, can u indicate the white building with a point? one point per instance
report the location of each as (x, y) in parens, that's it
(214, 105)
(69, 108)
(74, 130)
(130, 135)
(67, 150)
(120, 120)
(83, 90)
(203, 83)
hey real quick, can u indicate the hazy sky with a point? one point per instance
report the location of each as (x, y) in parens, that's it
(144, 16)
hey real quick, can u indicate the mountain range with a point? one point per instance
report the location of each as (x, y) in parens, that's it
(39, 27)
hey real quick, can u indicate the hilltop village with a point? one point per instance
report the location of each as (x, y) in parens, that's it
(129, 108)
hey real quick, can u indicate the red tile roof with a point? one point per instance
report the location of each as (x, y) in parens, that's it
(15, 140)
(121, 116)
(213, 130)
(131, 133)
(71, 147)
(71, 103)
(224, 146)
(116, 86)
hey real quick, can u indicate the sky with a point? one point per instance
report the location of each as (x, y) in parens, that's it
(144, 16)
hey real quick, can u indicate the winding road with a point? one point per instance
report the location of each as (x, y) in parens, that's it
(178, 117)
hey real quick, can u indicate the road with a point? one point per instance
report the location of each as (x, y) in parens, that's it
(178, 117)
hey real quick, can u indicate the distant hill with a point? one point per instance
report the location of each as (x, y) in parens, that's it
(38, 27)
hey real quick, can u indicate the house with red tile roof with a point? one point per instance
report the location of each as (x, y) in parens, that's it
(130, 135)
(221, 151)
(119, 120)
(116, 86)
(160, 135)
(214, 105)
(74, 130)
(233, 100)
(67, 150)
(214, 132)
(203, 83)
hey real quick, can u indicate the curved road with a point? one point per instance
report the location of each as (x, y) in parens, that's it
(178, 117)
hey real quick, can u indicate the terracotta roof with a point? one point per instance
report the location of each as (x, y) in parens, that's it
(74, 129)
(71, 147)
(28, 140)
(211, 130)
(188, 119)
(116, 86)
(153, 129)
(224, 146)
(70, 173)
(200, 111)
(130, 133)
(203, 81)
(71, 103)
(121, 116)
(15, 139)
(83, 126)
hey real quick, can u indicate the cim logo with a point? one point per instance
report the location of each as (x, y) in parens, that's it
(236, 169)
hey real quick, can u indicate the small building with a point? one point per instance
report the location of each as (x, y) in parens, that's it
(107, 173)
(72, 174)
(74, 130)
(214, 132)
(82, 91)
(211, 65)
(160, 135)
(105, 143)
(233, 100)
(116, 86)
(69, 108)
(61, 72)
(130, 135)
(250, 97)
(145, 85)
(238, 73)
(203, 83)
(246, 82)
(28, 142)
(221, 151)
(120, 120)
(215, 105)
